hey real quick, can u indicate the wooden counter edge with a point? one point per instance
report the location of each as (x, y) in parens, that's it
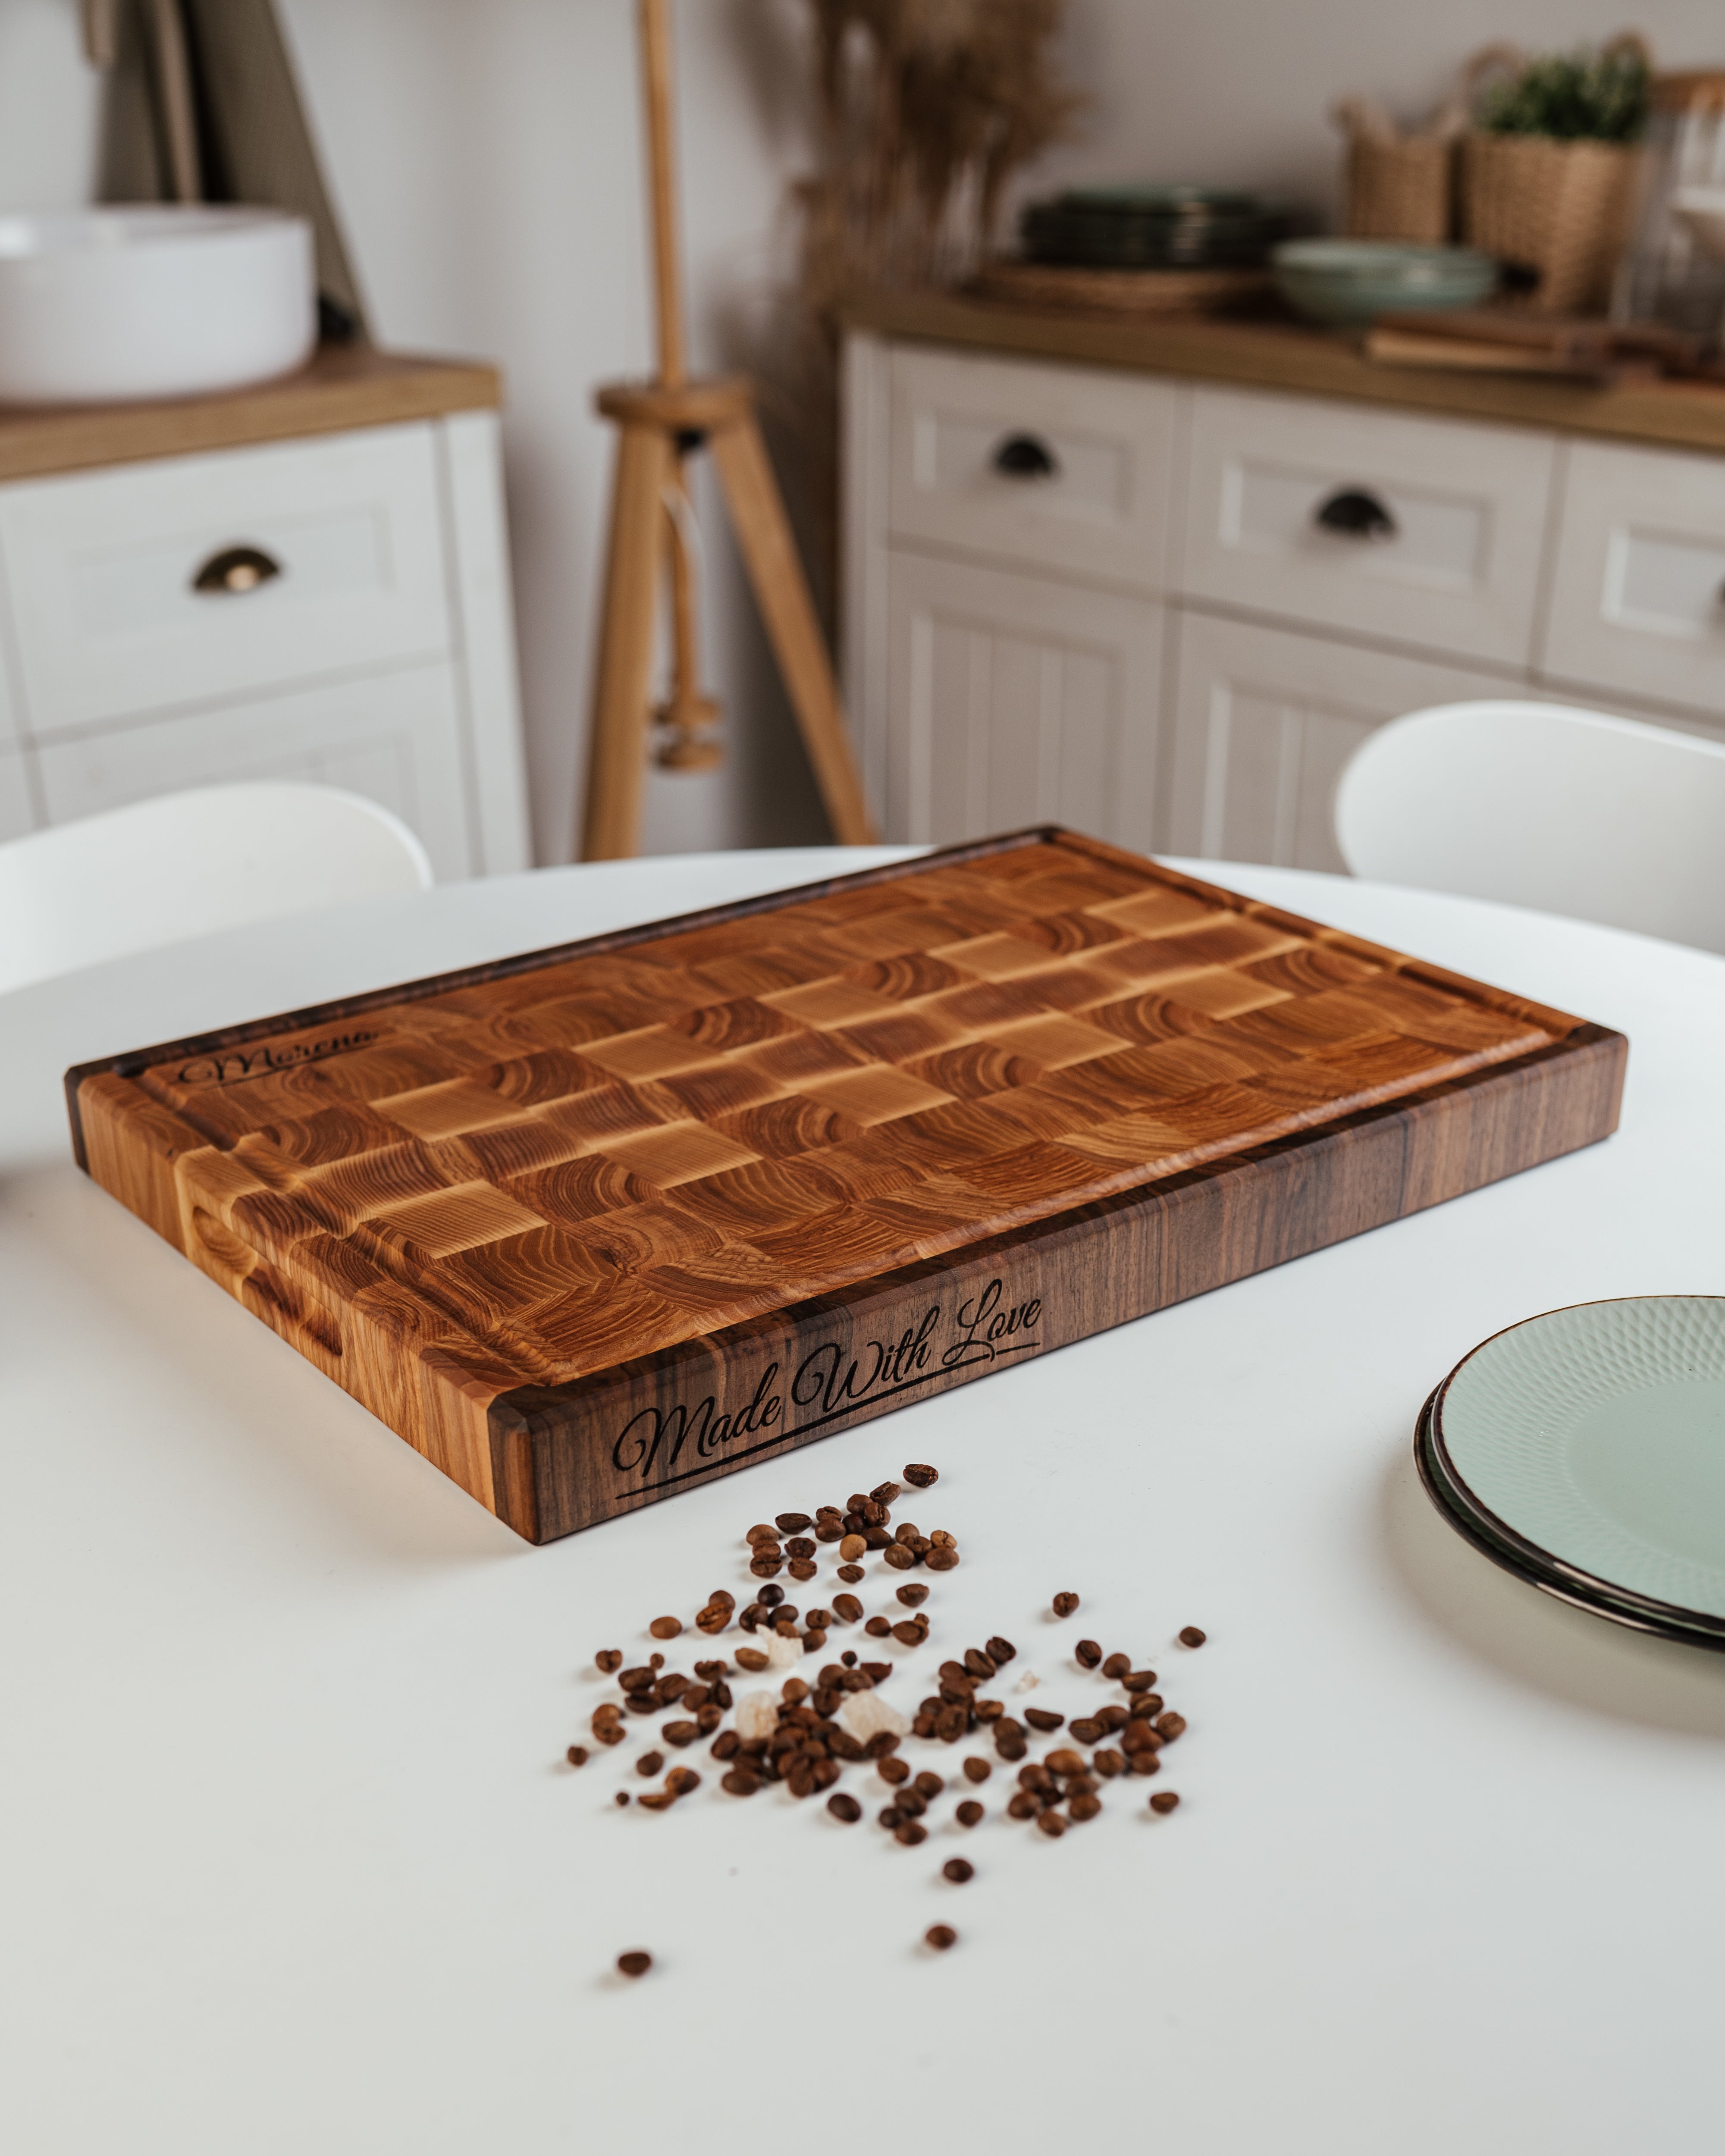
(1283, 356)
(342, 387)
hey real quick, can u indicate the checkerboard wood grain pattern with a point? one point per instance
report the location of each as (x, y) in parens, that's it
(590, 1224)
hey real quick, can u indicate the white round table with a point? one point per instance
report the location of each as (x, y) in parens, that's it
(292, 1861)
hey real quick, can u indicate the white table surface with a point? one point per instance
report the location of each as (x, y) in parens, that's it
(291, 1862)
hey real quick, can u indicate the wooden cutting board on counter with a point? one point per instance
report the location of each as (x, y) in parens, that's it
(592, 1224)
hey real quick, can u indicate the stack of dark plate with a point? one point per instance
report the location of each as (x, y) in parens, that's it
(1152, 227)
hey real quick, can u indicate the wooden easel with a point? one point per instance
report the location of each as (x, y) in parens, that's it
(663, 421)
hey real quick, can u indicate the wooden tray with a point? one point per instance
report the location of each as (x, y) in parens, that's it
(592, 1224)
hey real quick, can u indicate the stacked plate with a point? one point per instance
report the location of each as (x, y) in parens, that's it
(1152, 227)
(1348, 282)
(1584, 1451)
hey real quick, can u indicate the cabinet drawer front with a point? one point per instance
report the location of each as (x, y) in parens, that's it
(102, 570)
(1093, 453)
(1638, 600)
(1017, 701)
(396, 738)
(1265, 721)
(1456, 565)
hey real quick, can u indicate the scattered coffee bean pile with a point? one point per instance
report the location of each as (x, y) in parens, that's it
(807, 1735)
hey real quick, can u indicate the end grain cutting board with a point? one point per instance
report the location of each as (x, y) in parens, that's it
(592, 1224)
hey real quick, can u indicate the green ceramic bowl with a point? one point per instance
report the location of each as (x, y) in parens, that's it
(1350, 282)
(1585, 1451)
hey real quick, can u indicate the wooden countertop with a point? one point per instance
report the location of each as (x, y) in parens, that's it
(344, 385)
(1286, 356)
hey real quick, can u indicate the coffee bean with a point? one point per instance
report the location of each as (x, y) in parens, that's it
(889, 1816)
(1064, 1761)
(1138, 1679)
(740, 1782)
(957, 1869)
(764, 1567)
(802, 1568)
(1088, 1652)
(910, 1832)
(913, 1593)
(577, 1755)
(1111, 1717)
(681, 1780)
(878, 1628)
(846, 1608)
(792, 1523)
(818, 1620)
(649, 1763)
(621, 1797)
(900, 1557)
(1022, 1804)
(844, 1808)
(712, 1619)
(1087, 1730)
(1143, 1763)
(882, 1742)
(670, 1687)
(643, 1703)
(928, 1786)
(1064, 1604)
(909, 1633)
(761, 1533)
(921, 1477)
(893, 1769)
(609, 1658)
(724, 1745)
(638, 1680)
(830, 1531)
(1139, 1736)
(977, 1770)
(1170, 1726)
(852, 1548)
(680, 1732)
(634, 1964)
(941, 1559)
(990, 1710)
(608, 1730)
(1165, 1801)
(800, 1546)
(665, 1628)
(970, 1812)
(943, 1540)
(751, 1658)
(769, 1598)
(1039, 1717)
(1117, 1665)
(977, 1663)
(1083, 1806)
(1035, 1776)
(1109, 1763)
(853, 1573)
(885, 1493)
(1051, 1822)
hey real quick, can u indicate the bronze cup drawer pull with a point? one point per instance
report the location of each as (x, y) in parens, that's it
(1026, 456)
(1355, 515)
(236, 571)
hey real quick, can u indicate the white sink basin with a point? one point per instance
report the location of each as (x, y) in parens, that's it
(102, 305)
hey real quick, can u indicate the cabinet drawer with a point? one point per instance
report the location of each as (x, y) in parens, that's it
(394, 738)
(1014, 700)
(1456, 565)
(1264, 721)
(102, 570)
(1064, 468)
(1638, 599)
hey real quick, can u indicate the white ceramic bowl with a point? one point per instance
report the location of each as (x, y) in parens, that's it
(102, 305)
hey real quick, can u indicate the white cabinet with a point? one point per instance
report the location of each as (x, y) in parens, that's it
(1638, 595)
(1016, 700)
(1177, 632)
(365, 640)
(1419, 532)
(1264, 721)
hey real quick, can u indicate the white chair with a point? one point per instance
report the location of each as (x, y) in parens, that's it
(1546, 806)
(186, 863)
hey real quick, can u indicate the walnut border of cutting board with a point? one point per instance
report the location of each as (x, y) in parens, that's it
(555, 1458)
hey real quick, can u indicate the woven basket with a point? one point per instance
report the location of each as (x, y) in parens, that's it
(1399, 187)
(1556, 212)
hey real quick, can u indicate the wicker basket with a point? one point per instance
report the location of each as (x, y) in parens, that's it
(1556, 212)
(1399, 187)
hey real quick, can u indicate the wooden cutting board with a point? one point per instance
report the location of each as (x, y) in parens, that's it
(595, 1223)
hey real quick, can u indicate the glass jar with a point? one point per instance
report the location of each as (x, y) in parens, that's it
(1674, 271)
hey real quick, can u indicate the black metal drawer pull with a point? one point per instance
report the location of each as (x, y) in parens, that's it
(1356, 515)
(1025, 456)
(236, 571)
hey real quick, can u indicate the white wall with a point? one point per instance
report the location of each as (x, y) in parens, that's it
(486, 154)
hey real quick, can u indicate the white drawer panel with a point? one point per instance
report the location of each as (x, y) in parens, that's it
(1016, 700)
(16, 813)
(1100, 509)
(1264, 722)
(1638, 599)
(1457, 568)
(101, 569)
(395, 738)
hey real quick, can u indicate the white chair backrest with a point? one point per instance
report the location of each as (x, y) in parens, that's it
(1546, 806)
(188, 863)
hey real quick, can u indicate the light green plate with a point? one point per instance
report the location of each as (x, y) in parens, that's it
(1586, 1450)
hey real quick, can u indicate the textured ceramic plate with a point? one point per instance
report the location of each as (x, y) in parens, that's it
(1586, 1449)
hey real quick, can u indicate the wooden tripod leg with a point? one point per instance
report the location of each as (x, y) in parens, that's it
(775, 570)
(617, 750)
